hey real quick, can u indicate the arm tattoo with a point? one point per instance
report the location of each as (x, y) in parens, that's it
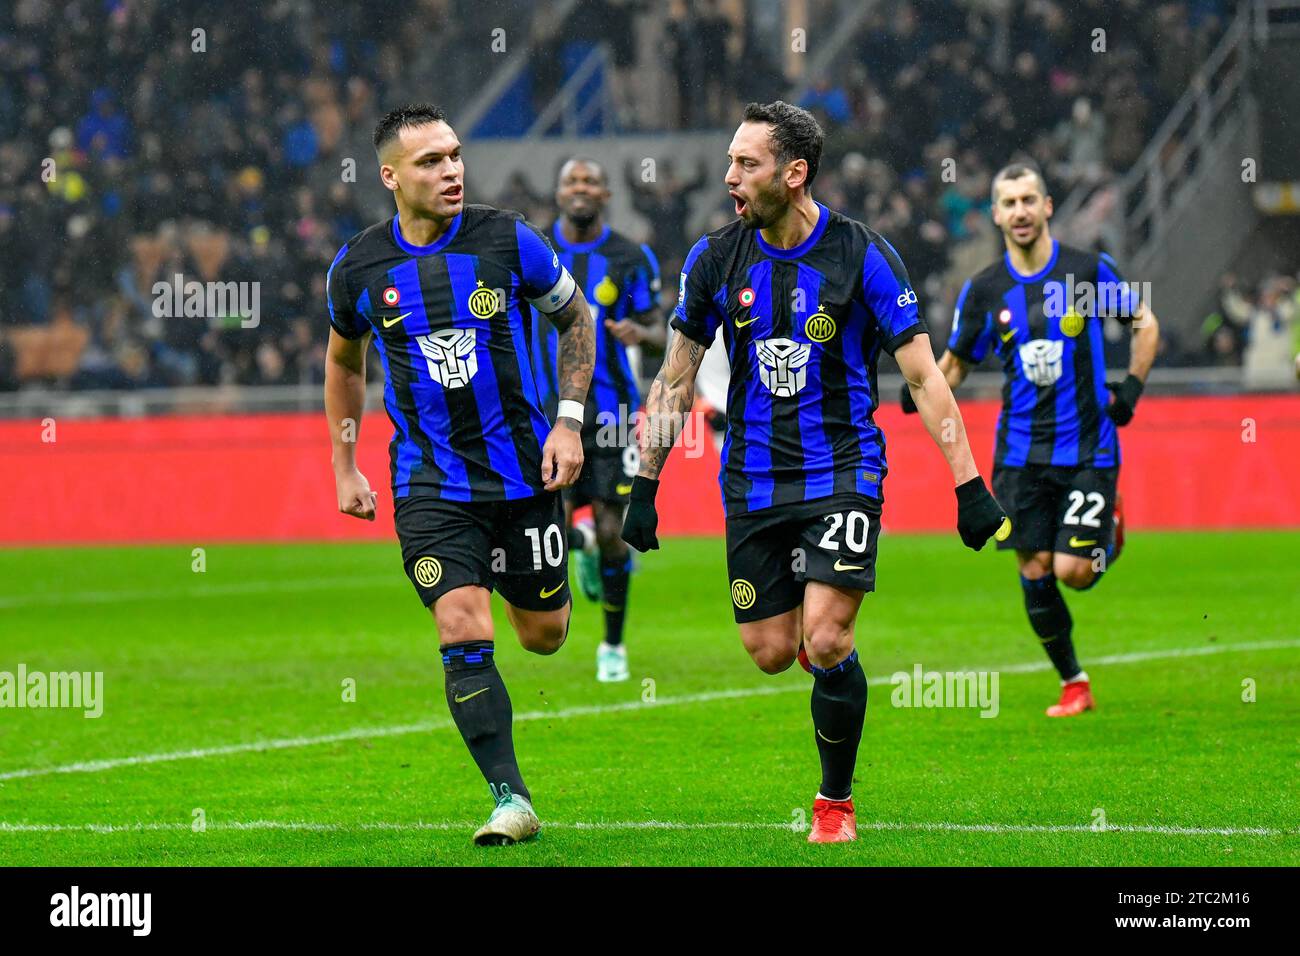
(577, 356)
(670, 400)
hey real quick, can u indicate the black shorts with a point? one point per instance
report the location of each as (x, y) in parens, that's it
(1070, 510)
(606, 475)
(517, 546)
(773, 552)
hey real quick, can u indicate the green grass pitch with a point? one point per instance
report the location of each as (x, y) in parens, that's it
(241, 669)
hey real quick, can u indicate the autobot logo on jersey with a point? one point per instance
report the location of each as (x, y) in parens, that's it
(782, 365)
(906, 298)
(450, 355)
(1040, 361)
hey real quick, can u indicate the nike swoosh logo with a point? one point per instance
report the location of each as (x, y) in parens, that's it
(389, 323)
(841, 566)
(482, 690)
(623, 489)
(1076, 543)
(1007, 335)
(828, 740)
(546, 593)
(741, 325)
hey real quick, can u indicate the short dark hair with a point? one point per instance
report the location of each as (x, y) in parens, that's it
(795, 133)
(413, 114)
(585, 161)
(1015, 171)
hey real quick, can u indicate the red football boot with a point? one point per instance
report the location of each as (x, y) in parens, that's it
(833, 821)
(803, 659)
(1076, 697)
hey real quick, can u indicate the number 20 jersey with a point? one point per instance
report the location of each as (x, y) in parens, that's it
(803, 328)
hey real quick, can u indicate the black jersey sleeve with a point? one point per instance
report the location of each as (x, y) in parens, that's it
(342, 307)
(696, 315)
(888, 293)
(972, 332)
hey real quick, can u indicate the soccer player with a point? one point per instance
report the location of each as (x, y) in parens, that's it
(443, 290)
(1056, 463)
(805, 299)
(621, 281)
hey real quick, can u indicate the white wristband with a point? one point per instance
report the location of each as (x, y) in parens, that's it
(570, 409)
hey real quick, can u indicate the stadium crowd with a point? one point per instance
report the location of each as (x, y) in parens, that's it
(215, 151)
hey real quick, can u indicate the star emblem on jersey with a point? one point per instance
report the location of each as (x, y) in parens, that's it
(390, 296)
(820, 327)
(450, 356)
(782, 365)
(427, 571)
(746, 297)
(742, 593)
(483, 302)
(1071, 323)
(1040, 361)
(606, 292)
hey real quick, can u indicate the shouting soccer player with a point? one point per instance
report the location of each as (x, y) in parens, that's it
(1056, 464)
(621, 281)
(806, 299)
(443, 290)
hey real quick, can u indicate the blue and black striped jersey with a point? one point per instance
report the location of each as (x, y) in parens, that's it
(620, 279)
(452, 324)
(1046, 329)
(803, 328)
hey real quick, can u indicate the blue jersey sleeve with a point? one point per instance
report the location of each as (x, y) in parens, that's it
(343, 314)
(643, 288)
(544, 282)
(972, 328)
(696, 315)
(888, 293)
(1115, 297)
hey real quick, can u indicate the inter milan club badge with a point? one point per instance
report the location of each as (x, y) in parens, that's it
(1071, 323)
(391, 296)
(820, 327)
(746, 297)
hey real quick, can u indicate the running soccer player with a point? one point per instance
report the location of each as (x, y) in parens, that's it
(443, 290)
(621, 281)
(1056, 463)
(806, 299)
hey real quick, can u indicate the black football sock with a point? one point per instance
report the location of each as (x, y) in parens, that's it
(480, 706)
(576, 540)
(615, 577)
(839, 706)
(1051, 621)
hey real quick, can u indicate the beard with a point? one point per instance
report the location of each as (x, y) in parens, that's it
(583, 218)
(765, 208)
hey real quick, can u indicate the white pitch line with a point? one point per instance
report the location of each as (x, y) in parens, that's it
(614, 825)
(195, 591)
(360, 733)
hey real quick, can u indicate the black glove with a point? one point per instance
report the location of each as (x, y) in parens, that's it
(1127, 394)
(641, 521)
(909, 404)
(979, 514)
